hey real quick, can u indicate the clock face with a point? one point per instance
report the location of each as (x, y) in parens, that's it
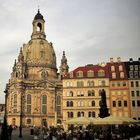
(44, 74)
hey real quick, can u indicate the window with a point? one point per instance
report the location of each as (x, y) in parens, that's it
(70, 114)
(119, 103)
(42, 53)
(71, 93)
(80, 103)
(113, 75)
(137, 92)
(113, 83)
(44, 104)
(28, 121)
(138, 103)
(80, 114)
(69, 103)
(125, 103)
(91, 93)
(136, 67)
(114, 103)
(28, 104)
(133, 103)
(44, 74)
(132, 93)
(101, 73)
(100, 92)
(79, 74)
(15, 103)
(124, 84)
(58, 100)
(103, 82)
(90, 83)
(112, 68)
(90, 73)
(121, 74)
(120, 68)
(118, 83)
(132, 84)
(131, 67)
(93, 103)
(136, 74)
(80, 84)
(91, 114)
(137, 84)
(131, 74)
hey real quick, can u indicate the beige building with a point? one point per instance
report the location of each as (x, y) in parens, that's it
(34, 90)
(82, 91)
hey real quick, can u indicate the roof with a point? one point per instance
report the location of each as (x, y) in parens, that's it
(38, 16)
(87, 68)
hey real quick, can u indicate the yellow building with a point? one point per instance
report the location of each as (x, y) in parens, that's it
(82, 91)
(34, 90)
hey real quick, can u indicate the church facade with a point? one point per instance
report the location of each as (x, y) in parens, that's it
(34, 91)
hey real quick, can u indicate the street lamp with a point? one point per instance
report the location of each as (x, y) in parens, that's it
(20, 127)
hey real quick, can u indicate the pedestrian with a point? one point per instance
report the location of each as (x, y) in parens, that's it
(10, 129)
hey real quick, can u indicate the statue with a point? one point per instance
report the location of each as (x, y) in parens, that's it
(103, 106)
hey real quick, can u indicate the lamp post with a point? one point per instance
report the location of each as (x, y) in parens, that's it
(21, 103)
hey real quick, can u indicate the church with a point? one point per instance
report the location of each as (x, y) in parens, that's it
(34, 90)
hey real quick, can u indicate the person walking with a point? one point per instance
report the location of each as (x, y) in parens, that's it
(10, 129)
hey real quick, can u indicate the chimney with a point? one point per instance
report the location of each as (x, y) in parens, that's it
(131, 60)
(119, 59)
(111, 60)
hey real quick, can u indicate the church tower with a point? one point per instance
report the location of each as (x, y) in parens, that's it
(34, 92)
(64, 68)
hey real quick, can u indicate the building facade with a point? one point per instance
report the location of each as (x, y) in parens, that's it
(119, 89)
(82, 91)
(34, 91)
(133, 73)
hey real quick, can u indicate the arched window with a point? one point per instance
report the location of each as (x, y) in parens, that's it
(93, 114)
(103, 82)
(71, 93)
(89, 93)
(39, 27)
(92, 93)
(79, 74)
(101, 73)
(44, 104)
(92, 84)
(93, 103)
(100, 92)
(89, 114)
(90, 73)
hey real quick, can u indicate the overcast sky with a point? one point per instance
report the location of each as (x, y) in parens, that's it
(89, 31)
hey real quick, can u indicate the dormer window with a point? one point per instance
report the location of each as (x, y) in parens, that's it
(131, 67)
(120, 68)
(79, 74)
(101, 73)
(112, 68)
(71, 74)
(90, 73)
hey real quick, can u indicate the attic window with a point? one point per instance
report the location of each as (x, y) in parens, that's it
(39, 27)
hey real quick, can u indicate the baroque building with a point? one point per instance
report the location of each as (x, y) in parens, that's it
(34, 91)
(82, 91)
